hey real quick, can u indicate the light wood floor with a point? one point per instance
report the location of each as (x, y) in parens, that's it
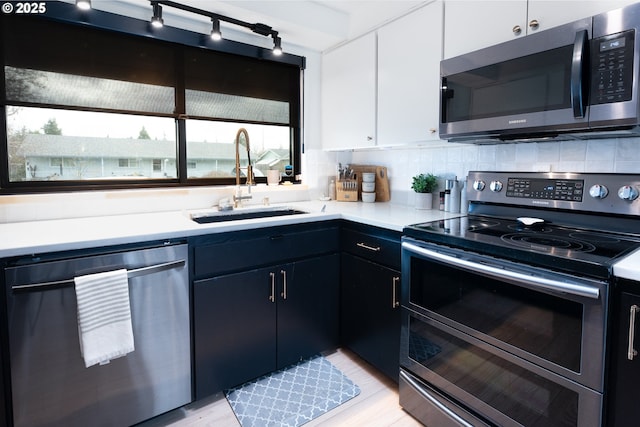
(375, 406)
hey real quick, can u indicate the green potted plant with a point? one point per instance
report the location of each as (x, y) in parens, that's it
(424, 185)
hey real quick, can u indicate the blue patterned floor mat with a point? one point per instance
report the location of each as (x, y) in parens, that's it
(293, 396)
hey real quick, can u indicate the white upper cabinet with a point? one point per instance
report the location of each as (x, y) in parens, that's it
(473, 24)
(383, 89)
(409, 54)
(553, 13)
(348, 95)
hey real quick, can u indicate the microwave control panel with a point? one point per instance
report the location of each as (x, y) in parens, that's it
(612, 68)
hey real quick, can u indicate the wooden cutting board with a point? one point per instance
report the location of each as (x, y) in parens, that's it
(383, 193)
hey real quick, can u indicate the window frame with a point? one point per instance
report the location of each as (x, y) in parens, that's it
(181, 41)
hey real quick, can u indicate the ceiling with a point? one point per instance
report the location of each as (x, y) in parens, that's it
(312, 24)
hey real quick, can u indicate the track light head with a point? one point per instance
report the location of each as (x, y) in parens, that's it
(215, 31)
(156, 19)
(277, 45)
(216, 34)
(83, 4)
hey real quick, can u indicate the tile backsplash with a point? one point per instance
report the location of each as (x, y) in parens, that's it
(597, 155)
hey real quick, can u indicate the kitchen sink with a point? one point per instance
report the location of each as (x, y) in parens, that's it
(234, 215)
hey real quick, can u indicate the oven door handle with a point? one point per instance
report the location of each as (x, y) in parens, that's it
(433, 400)
(577, 289)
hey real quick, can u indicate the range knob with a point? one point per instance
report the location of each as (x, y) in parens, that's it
(628, 192)
(598, 191)
(478, 185)
(495, 186)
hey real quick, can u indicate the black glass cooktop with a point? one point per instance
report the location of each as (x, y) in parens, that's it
(513, 239)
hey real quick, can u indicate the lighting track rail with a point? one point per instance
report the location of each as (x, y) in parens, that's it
(258, 28)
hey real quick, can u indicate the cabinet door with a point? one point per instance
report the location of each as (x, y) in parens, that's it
(234, 330)
(624, 375)
(308, 304)
(553, 13)
(409, 54)
(471, 25)
(370, 312)
(349, 95)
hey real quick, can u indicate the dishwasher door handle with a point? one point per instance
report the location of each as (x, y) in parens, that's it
(136, 272)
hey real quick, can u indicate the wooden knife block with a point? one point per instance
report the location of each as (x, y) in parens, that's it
(346, 194)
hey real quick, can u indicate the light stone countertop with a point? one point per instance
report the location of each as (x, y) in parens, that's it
(628, 267)
(36, 237)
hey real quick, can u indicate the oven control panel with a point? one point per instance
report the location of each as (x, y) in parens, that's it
(546, 189)
(591, 192)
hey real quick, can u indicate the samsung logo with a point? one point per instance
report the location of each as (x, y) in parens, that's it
(517, 121)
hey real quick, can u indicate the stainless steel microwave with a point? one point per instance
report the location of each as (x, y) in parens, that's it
(578, 80)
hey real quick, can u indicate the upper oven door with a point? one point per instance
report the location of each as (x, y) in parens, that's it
(526, 87)
(553, 320)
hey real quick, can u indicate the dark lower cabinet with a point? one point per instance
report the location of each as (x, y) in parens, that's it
(248, 324)
(308, 314)
(234, 330)
(370, 297)
(624, 375)
(370, 317)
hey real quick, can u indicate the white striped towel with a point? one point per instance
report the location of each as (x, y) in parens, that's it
(104, 316)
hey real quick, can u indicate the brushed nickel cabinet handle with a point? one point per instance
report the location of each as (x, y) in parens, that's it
(632, 352)
(394, 302)
(284, 284)
(371, 248)
(516, 30)
(272, 297)
(534, 24)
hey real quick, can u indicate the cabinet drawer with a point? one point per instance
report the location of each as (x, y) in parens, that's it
(250, 249)
(381, 249)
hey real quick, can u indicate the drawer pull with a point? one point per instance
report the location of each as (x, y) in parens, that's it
(370, 248)
(632, 352)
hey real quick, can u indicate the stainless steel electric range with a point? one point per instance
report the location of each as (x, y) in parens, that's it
(505, 310)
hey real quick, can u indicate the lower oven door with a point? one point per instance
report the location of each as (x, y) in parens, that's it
(552, 320)
(472, 377)
(431, 407)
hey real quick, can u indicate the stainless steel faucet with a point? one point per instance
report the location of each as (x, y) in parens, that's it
(238, 197)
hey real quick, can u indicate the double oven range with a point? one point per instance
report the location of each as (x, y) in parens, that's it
(505, 310)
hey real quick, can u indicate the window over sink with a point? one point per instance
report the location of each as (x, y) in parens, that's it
(87, 107)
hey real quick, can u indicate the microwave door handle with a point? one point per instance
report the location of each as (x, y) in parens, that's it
(578, 95)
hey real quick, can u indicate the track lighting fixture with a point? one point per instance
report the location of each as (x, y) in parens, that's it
(83, 4)
(156, 19)
(215, 31)
(277, 45)
(257, 28)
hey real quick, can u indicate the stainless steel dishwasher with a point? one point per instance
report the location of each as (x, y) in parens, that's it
(49, 382)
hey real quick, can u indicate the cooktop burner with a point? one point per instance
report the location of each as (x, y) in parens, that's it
(510, 235)
(547, 243)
